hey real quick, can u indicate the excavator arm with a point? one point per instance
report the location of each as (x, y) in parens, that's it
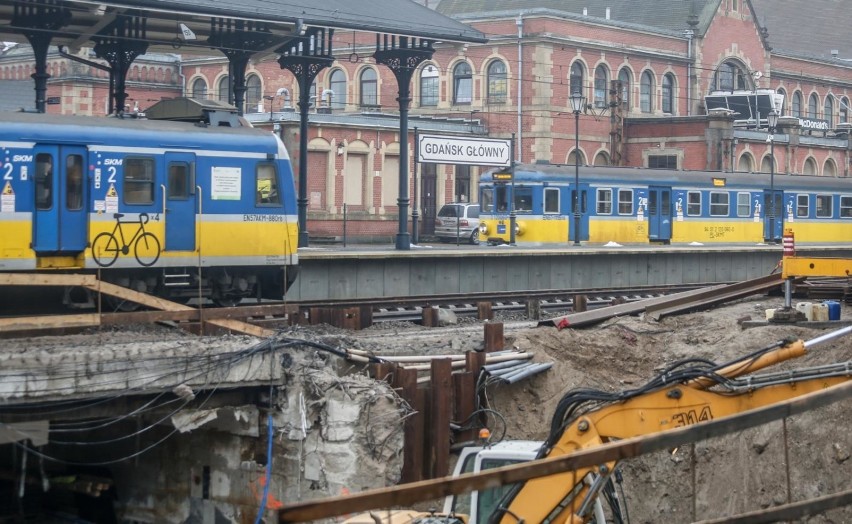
(680, 396)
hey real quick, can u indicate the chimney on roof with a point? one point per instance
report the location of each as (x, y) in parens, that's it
(835, 53)
(585, 11)
(607, 13)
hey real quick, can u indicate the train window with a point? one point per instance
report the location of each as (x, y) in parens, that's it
(267, 185)
(502, 199)
(802, 206)
(551, 200)
(523, 199)
(625, 201)
(823, 206)
(719, 204)
(44, 181)
(743, 204)
(178, 181)
(74, 182)
(845, 206)
(693, 203)
(486, 200)
(139, 181)
(604, 203)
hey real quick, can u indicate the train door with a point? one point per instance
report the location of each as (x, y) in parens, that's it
(60, 219)
(660, 214)
(180, 202)
(773, 215)
(584, 217)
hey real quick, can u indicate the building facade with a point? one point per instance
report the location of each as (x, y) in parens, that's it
(644, 72)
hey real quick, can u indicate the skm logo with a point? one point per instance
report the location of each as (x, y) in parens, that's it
(22, 158)
(687, 418)
(112, 161)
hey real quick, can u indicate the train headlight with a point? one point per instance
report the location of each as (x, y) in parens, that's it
(519, 228)
(483, 228)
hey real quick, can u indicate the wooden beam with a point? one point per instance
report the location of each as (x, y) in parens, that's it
(408, 494)
(788, 512)
(12, 325)
(46, 279)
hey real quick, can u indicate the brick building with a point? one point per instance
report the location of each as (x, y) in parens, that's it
(644, 73)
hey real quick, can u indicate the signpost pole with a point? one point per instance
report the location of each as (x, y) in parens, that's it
(512, 217)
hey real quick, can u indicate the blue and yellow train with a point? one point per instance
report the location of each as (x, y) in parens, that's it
(171, 208)
(642, 206)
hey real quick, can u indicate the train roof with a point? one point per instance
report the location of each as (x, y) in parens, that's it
(136, 132)
(611, 175)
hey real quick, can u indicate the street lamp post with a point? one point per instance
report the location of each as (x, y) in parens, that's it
(772, 120)
(578, 102)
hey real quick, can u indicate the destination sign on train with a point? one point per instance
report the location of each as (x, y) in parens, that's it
(435, 149)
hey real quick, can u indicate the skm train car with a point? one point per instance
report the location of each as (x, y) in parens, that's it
(641, 206)
(172, 208)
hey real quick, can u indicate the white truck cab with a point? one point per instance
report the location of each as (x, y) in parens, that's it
(474, 459)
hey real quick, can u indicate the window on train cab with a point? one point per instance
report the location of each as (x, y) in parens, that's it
(44, 181)
(523, 199)
(138, 180)
(551, 200)
(267, 185)
(845, 206)
(720, 204)
(178, 188)
(604, 202)
(802, 206)
(486, 200)
(625, 201)
(501, 198)
(74, 182)
(743, 204)
(693, 203)
(823, 206)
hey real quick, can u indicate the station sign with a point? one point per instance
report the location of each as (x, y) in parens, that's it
(436, 149)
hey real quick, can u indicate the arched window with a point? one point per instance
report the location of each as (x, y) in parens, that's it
(668, 93)
(810, 167)
(497, 82)
(601, 86)
(844, 110)
(828, 110)
(746, 164)
(646, 90)
(602, 159)
(337, 84)
(797, 104)
(224, 89)
(765, 163)
(254, 95)
(813, 103)
(577, 73)
(830, 168)
(624, 78)
(784, 100)
(369, 88)
(199, 89)
(462, 84)
(730, 77)
(429, 86)
(572, 158)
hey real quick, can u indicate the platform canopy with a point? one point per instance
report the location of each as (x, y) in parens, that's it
(184, 25)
